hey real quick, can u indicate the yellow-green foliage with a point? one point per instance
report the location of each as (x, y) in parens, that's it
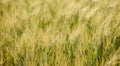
(59, 32)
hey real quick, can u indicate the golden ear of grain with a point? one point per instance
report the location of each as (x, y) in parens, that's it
(59, 33)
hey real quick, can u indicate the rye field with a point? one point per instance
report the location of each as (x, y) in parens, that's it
(59, 32)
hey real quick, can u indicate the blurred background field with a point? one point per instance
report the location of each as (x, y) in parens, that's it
(59, 32)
